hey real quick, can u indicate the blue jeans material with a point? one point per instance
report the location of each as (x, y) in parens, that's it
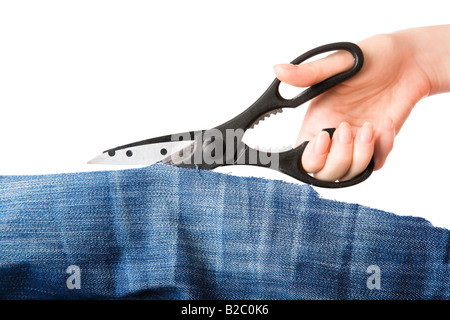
(162, 232)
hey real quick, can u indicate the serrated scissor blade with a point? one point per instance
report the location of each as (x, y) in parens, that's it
(146, 154)
(264, 117)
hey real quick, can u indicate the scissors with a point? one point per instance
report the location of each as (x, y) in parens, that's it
(223, 145)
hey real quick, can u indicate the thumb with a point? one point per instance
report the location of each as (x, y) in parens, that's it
(309, 73)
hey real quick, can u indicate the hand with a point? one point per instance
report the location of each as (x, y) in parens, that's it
(367, 110)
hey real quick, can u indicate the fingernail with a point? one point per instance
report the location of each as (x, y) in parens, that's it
(286, 66)
(322, 142)
(388, 124)
(345, 133)
(366, 134)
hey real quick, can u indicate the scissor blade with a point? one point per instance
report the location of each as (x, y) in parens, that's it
(146, 154)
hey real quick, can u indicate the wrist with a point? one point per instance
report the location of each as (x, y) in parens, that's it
(431, 50)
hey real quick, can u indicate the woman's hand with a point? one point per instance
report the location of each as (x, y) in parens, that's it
(368, 109)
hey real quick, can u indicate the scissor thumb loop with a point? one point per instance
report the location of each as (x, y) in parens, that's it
(309, 73)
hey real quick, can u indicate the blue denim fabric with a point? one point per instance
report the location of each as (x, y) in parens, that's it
(163, 232)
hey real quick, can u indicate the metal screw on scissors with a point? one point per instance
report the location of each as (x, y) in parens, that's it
(209, 149)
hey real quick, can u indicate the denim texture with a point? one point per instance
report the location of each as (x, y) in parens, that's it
(162, 232)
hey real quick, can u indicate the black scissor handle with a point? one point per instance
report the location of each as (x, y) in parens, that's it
(321, 87)
(271, 99)
(290, 163)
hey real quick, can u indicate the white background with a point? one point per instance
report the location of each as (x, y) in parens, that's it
(79, 77)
